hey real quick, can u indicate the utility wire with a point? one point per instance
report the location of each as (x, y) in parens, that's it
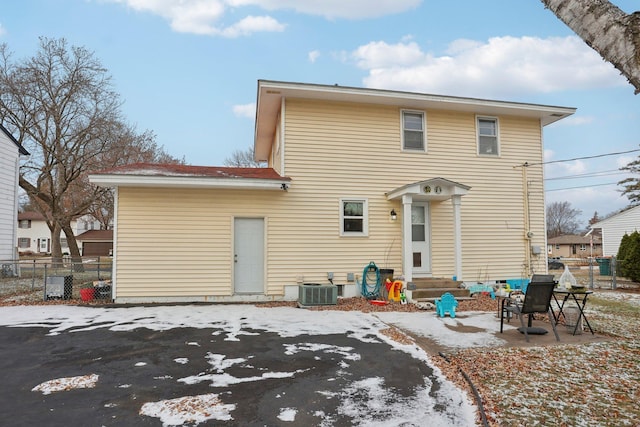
(582, 186)
(589, 175)
(582, 158)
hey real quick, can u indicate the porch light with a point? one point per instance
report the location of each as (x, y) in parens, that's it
(394, 215)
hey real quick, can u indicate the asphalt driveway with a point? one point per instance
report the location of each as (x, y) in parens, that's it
(214, 365)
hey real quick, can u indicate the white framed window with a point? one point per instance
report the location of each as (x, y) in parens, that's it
(488, 141)
(24, 242)
(354, 214)
(583, 247)
(24, 223)
(413, 130)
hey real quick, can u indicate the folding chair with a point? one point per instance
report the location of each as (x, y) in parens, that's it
(537, 299)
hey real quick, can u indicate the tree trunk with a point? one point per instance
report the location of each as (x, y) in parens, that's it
(76, 259)
(56, 247)
(606, 29)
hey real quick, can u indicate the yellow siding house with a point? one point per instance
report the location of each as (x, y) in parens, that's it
(427, 185)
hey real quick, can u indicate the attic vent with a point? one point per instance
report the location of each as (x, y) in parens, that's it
(312, 294)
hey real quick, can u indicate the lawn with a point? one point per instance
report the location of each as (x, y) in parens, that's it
(565, 385)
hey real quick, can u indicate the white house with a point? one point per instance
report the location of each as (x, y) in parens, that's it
(10, 153)
(34, 236)
(616, 226)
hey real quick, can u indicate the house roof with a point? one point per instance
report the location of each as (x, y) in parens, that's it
(572, 239)
(96, 235)
(31, 215)
(271, 94)
(431, 189)
(171, 175)
(21, 149)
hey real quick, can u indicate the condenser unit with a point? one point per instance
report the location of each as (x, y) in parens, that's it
(310, 295)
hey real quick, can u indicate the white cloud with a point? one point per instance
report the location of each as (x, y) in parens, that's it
(332, 9)
(501, 67)
(245, 110)
(202, 17)
(313, 56)
(205, 16)
(2, 30)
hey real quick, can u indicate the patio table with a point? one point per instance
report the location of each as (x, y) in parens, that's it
(579, 296)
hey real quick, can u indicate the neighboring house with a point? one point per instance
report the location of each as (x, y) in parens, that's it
(574, 246)
(10, 154)
(34, 235)
(96, 242)
(428, 185)
(616, 226)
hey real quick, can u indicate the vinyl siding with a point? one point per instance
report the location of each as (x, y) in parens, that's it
(614, 228)
(179, 242)
(338, 150)
(8, 197)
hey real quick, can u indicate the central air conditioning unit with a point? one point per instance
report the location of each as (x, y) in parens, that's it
(315, 294)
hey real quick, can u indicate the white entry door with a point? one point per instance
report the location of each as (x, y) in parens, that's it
(248, 256)
(420, 242)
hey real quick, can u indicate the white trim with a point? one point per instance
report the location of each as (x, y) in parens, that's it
(114, 247)
(424, 131)
(282, 129)
(365, 217)
(125, 180)
(497, 136)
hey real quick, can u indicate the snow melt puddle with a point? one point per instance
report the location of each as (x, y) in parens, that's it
(189, 409)
(66, 384)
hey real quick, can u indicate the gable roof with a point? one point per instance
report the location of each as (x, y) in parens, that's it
(21, 149)
(96, 235)
(271, 94)
(31, 215)
(572, 239)
(172, 175)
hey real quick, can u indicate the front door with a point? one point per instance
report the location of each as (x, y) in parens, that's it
(248, 256)
(420, 242)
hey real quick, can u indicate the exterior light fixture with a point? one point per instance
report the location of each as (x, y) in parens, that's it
(394, 215)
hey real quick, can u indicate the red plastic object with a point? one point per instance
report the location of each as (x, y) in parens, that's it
(378, 302)
(87, 294)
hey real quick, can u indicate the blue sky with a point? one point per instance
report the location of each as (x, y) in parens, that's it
(188, 69)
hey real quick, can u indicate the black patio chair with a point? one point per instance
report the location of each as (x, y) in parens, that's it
(537, 299)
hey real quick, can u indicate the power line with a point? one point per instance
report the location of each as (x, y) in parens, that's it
(589, 175)
(582, 186)
(583, 158)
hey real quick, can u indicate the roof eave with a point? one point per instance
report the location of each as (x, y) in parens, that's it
(113, 180)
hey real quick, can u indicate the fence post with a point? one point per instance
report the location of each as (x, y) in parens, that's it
(98, 267)
(590, 272)
(33, 276)
(44, 285)
(613, 273)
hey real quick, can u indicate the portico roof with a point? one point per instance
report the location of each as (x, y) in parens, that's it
(434, 189)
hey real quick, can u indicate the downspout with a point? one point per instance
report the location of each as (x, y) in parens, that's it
(527, 222)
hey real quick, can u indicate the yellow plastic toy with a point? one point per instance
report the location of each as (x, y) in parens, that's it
(394, 289)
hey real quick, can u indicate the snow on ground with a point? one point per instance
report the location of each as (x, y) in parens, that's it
(232, 321)
(66, 384)
(475, 329)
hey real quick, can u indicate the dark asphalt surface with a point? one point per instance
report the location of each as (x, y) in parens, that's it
(139, 366)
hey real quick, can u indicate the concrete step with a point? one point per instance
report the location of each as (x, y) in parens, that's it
(433, 293)
(436, 283)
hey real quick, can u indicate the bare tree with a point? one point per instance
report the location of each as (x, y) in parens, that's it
(61, 105)
(631, 185)
(243, 159)
(562, 219)
(611, 32)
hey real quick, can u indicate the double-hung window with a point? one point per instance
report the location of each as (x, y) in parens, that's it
(488, 136)
(353, 217)
(413, 130)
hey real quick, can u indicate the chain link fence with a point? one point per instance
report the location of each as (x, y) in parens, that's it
(86, 279)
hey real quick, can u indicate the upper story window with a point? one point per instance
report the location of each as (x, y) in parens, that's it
(488, 136)
(353, 217)
(413, 133)
(24, 223)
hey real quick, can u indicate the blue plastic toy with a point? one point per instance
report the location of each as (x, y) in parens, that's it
(446, 303)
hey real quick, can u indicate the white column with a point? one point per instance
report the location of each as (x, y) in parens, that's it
(407, 257)
(457, 236)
